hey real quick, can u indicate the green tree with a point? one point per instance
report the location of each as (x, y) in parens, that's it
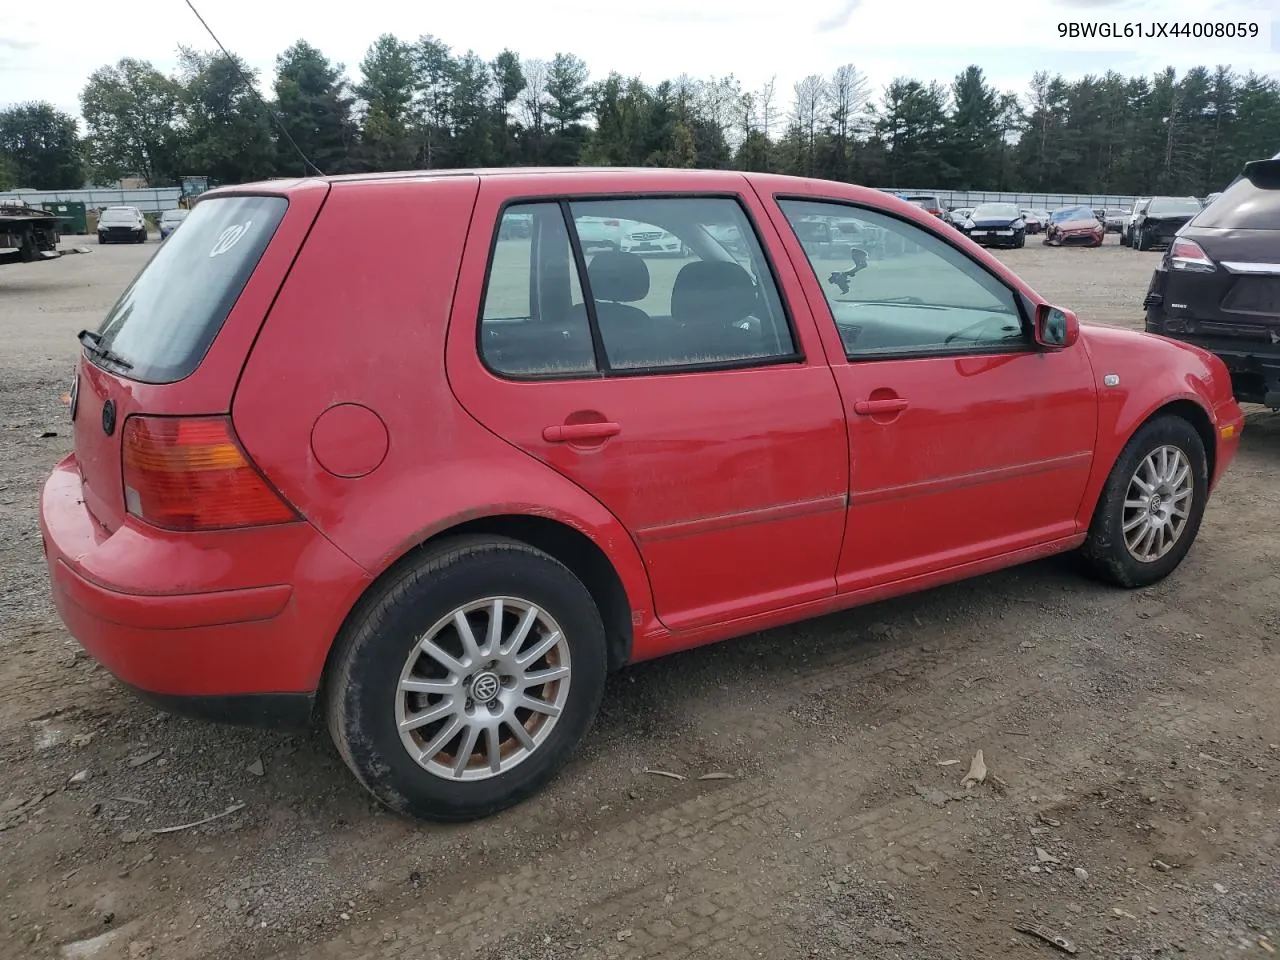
(131, 112)
(8, 173)
(508, 83)
(227, 132)
(42, 147)
(973, 128)
(314, 108)
(567, 105)
(435, 72)
(913, 126)
(387, 88)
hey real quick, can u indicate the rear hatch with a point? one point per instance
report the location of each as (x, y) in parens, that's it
(174, 343)
(1222, 276)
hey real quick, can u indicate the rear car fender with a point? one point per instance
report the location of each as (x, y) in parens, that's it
(345, 406)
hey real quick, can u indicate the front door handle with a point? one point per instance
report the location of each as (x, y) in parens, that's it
(869, 408)
(571, 432)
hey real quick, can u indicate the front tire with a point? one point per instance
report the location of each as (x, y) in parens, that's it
(446, 712)
(1150, 509)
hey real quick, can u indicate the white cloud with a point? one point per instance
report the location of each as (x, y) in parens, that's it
(40, 58)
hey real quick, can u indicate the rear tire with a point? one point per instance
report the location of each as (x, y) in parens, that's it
(478, 687)
(1123, 557)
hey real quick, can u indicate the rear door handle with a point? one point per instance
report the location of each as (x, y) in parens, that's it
(569, 432)
(869, 408)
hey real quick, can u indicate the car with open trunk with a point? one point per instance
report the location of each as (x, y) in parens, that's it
(437, 488)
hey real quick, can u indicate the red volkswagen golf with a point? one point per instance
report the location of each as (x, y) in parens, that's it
(357, 444)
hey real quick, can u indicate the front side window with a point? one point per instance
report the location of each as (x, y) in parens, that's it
(901, 291)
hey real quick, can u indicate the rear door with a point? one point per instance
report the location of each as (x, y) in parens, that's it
(177, 338)
(687, 398)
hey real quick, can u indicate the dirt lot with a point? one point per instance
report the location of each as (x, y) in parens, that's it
(1132, 802)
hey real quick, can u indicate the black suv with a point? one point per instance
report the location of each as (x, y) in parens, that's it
(1156, 224)
(1218, 285)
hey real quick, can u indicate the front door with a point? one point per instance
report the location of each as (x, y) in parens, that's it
(674, 387)
(967, 441)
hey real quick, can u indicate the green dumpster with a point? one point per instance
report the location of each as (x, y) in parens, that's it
(73, 215)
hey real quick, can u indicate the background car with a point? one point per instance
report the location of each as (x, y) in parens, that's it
(1218, 284)
(170, 220)
(1074, 226)
(930, 203)
(597, 233)
(996, 225)
(1114, 221)
(646, 240)
(1034, 221)
(122, 224)
(959, 215)
(1126, 227)
(1159, 220)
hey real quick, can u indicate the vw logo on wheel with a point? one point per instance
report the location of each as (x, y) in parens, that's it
(485, 687)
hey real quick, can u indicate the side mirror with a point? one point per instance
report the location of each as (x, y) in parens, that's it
(1056, 328)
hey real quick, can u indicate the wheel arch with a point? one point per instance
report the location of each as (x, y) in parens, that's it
(1184, 407)
(571, 547)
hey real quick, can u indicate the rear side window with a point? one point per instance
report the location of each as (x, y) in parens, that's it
(1174, 207)
(163, 323)
(641, 286)
(1243, 206)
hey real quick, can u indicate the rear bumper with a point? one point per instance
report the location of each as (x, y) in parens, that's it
(233, 625)
(1254, 365)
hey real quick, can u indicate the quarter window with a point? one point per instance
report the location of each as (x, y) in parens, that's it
(534, 322)
(897, 290)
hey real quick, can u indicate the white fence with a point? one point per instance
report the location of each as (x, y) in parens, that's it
(148, 201)
(1034, 201)
(166, 198)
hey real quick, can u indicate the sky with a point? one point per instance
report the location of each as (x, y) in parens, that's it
(47, 51)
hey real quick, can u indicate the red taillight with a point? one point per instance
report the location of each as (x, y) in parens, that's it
(189, 473)
(1189, 256)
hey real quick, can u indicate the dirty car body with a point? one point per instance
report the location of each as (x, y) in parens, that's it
(536, 464)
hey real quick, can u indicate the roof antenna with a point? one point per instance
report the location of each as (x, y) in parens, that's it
(271, 113)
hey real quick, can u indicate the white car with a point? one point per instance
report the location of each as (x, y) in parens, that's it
(642, 238)
(122, 224)
(600, 233)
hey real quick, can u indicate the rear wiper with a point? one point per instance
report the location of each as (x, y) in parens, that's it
(92, 342)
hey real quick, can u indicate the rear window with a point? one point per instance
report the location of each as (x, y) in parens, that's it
(997, 211)
(165, 320)
(1174, 207)
(1243, 206)
(1073, 213)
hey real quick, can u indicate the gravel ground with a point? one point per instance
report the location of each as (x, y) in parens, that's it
(1131, 742)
